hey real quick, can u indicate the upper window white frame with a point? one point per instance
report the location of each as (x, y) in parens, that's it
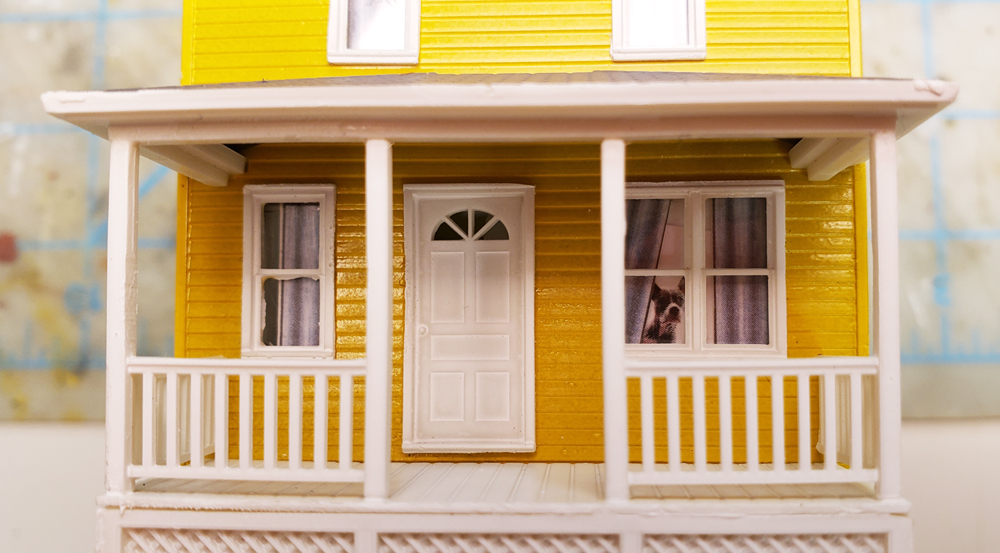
(254, 199)
(636, 30)
(695, 272)
(394, 38)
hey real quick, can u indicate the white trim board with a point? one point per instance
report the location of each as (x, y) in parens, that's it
(838, 114)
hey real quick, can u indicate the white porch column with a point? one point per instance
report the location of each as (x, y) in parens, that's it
(123, 309)
(378, 319)
(613, 318)
(885, 307)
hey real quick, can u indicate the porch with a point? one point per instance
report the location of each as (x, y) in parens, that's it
(169, 419)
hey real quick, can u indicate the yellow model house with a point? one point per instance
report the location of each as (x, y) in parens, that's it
(488, 276)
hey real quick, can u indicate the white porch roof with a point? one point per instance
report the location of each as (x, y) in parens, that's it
(186, 128)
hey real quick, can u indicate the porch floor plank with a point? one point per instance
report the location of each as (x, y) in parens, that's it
(490, 483)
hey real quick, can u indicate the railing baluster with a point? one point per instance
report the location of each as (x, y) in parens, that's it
(295, 421)
(700, 430)
(246, 421)
(753, 444)
(270, 420)
(816, 405)
(346, 422)
(646, 409)
(778, 422)
(320, 417)
(149, 437)
(805, 422)
(221, 416)
(673, 424)
(172, 419)
(725, 423)
(195, 405)
(857, 435)
(186, 411)
(830, 418)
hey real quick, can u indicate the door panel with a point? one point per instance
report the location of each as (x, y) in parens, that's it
(467, 375)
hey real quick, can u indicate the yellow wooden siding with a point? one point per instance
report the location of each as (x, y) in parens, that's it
(821, 279)
(250, 40)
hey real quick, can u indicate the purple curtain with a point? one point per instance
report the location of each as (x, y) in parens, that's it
(300, 296)
(645, 223)
(291, 306)
(740, 236)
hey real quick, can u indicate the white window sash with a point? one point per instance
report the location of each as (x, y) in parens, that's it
(697, 302)
(692, 49)
(255, 196)
(338, 51)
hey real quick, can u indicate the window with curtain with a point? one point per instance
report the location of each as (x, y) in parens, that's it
(702, 268)
(374, 32)
(657, 30)
(288, 276)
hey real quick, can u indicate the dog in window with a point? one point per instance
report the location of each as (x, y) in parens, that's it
(668, 312)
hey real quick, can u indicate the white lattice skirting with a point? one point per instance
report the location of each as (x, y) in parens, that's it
(144, 540)
(490, 543)
(811, 543)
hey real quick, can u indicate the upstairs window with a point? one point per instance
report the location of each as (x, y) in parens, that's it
(288, 270)
(704, 269)
(374, 32)
(657, 30)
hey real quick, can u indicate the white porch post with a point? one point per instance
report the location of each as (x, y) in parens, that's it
(378, 320)
(885, 245)
(122, 309)
(613, 318)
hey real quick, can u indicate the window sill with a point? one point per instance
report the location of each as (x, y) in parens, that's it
(284, 352)
(676, 54)
(647, 352)
(373, 58)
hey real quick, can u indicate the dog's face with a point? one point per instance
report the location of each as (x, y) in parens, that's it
(668, 308)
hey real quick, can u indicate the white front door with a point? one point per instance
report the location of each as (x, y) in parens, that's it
(469, 355)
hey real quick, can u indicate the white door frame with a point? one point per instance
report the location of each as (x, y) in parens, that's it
(410, 234)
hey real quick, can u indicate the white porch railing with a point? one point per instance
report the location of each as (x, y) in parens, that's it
(181, 419)
(846, 426)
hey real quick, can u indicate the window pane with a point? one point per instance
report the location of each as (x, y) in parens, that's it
(376, 24)
(291, 312)
(446, 232)
(290, 236)
(497, 232)
(272, 291)
(654, 237)
(654, 310)
(461, 219)
(736, 233)
(481, 218)
(656, 23)
(270, 236)
(737, 310)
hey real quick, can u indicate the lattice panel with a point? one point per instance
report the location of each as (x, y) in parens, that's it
(811, 543)
(152, 540)
(490, 543)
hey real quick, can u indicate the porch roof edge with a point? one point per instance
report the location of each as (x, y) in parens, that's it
(580, 97)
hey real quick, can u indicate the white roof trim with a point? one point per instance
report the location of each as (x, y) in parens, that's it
(632, 106)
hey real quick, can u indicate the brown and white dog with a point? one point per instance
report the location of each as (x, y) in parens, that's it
(668, 310)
